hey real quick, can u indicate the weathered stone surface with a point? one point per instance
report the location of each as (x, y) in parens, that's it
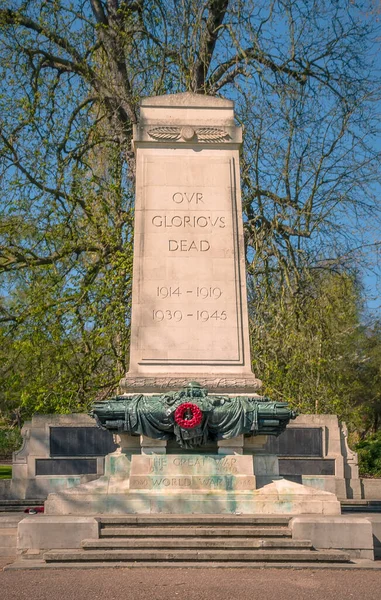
(349, 533)
(181, 484)
(192, 472)
(375, 520)
(282, 496)
(189, 482)
(231, 446)
(118, 463)
(221, 383)
(312, 435)
(263, 555)
(47, 532)
(35, 473)
(189, 464)
(371, 488)
(5, 488)
(316, 436)
(189, 307)
(8, 543)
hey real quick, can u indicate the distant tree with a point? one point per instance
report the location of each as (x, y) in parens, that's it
(315, 352)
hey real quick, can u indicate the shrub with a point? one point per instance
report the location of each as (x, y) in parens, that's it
(10, 440)
(369, 453)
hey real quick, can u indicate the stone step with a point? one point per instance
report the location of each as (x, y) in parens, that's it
(361, 506)
(200, 543)
(15, 505)
(195, 532)
(22, 502)
(173, 520)
(247, 555)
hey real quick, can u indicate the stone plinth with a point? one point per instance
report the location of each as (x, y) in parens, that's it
(348, 532)
(182, 484)
(45, 532)
(189, 305)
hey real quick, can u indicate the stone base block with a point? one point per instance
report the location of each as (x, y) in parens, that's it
(204, 483)
(117, 464)
(344, 532)
(5, 488)
(266, 465)
(371, 488)
(186, 503)
(40, 487)
(47, 532)
(286, 497)
(352, 489)
(127, 442)
(8, 539)
(151, 446)
(375, 521)
(328, 484)
(231, 446)
(181, 484)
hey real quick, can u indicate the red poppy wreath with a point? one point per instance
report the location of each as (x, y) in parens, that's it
(188, 415)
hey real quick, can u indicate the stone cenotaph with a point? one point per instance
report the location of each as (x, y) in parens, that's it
(189, 422)
(189, 307)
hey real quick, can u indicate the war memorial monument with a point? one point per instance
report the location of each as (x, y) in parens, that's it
(190, 424)
(190, 380)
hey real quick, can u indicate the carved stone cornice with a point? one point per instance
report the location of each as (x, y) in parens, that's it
(201, 134)
(188, 134)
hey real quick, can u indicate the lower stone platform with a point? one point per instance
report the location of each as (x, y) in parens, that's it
(222, 539)
(188, 484)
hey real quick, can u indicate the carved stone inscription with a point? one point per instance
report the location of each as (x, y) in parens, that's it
(213, 482)
(190, 289)
(183, 465)
(192, 472)
(193, 464)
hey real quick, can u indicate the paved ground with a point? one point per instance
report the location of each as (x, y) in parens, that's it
(189, 584)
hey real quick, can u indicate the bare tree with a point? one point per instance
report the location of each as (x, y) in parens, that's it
(303, 78)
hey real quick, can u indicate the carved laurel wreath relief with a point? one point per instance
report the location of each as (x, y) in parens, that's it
(202, 134)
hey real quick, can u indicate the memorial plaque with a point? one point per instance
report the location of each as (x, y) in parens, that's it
(189, 305)
(66, 466)
(312, 466)
(297, 441)
(80, 441)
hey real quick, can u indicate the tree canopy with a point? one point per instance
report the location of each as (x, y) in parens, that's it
(304, 80)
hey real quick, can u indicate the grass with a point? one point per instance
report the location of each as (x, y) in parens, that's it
(5, 471)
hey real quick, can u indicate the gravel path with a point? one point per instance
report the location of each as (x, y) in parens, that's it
(190, 584)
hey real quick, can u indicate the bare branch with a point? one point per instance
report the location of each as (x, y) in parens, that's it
(12, 17)
(216, 14)
(98, 12)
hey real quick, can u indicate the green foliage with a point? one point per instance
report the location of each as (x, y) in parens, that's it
(5, 472)
(67, 339)
(311, 349)
(10, 440)
(369, 453)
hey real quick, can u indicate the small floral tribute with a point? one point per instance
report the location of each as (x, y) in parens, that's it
(188, 415)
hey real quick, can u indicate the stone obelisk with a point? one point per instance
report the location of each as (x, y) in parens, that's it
(189, 304)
